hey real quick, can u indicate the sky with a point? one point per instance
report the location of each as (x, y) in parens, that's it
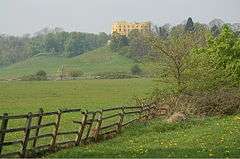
(18, 17)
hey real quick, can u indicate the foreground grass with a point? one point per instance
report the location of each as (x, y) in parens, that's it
(213, 137)
(97, 61)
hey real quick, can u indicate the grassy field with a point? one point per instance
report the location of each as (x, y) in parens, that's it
(97, 61)
(209, 138)
(22, 97)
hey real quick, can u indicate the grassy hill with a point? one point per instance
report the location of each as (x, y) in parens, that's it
(100, 60)
(209, 138)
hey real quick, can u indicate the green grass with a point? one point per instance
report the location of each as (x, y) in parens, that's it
(97, 61)
(212, 137)
(20, 97)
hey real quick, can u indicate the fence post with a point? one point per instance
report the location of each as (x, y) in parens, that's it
(141, 111)
(55, 132)
(2, 131)
(90, 127)
(26, 135)
(98, 126)
(121, 120)
(38, 124)
(81, 129)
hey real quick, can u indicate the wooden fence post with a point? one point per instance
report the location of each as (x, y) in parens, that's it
(81, 129)
(90, 126)
(98, 126)
(121, 120)
(141, 111)
(38, 124)
(3, 129)
(55, 132)
(26, 135)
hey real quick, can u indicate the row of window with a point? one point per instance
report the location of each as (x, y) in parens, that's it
(124, 26)
(122, 30)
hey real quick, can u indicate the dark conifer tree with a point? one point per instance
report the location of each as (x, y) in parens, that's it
(189, 25)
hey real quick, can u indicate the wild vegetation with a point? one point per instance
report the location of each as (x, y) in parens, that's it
(193, 58)
(196, 69)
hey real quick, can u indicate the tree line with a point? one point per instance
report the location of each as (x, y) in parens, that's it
(14, 49)
(191, 56)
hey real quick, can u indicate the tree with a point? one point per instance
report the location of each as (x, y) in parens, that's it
(175, 53)
(136, 70)
(138, 44)
(102, 39)
(189, 27)
(215, 31)
(225, 53)
(163, 31)
(118, 41)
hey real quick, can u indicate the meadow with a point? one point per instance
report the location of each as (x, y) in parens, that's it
(24, 96)
(97, 61)
(196, 138)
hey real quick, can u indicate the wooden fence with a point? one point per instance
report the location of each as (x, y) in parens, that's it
(90, 127)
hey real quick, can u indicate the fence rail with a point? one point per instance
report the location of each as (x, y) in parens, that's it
(90, 126)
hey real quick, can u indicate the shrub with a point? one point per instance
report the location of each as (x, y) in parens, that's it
(75, 73)
(114, 75)
(39, 76)
(218, 102)
(136, 70)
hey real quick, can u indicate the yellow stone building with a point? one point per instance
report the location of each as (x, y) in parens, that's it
(123, 27)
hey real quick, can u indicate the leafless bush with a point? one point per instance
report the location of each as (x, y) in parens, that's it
(219, 102)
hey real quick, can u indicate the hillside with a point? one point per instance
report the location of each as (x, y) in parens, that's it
(197, 138)
(100, 60)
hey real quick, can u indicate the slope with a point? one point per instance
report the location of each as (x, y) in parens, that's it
(99, 60)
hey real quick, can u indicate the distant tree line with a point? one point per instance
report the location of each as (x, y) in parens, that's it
(14, 49)
(136, 45)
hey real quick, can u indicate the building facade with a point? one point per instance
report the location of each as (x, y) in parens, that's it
(123, 27)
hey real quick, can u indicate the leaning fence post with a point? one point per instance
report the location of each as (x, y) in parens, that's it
(2, 131)
(57, 125)
(90, 127)
(81, 129)
(121, 120)
(141, 111)
(98, 126)
(26, 135)
(38, 128)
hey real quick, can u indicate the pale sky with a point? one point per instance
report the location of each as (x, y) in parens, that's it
(18, 17)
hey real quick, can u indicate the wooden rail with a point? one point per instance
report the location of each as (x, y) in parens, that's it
(105, 124)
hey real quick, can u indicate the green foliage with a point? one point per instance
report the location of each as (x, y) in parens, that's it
(118, 41)
(163, 31)
(75, 73)
(215, 31)
(138, 45)
(114, 75)
(226, 52)
(221, 59)
(173, 55)
(136, 70)
(39, 76)
(14, 49)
